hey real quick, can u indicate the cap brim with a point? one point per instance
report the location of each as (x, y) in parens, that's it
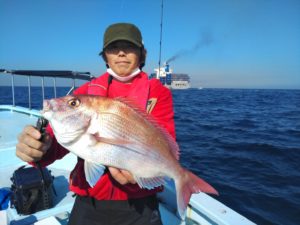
(122, 39)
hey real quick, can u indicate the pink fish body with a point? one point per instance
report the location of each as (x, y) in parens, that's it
(114, 132)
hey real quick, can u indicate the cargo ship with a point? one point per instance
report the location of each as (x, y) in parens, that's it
(169, 79)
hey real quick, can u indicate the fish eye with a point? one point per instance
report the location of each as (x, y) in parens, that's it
(74, 102)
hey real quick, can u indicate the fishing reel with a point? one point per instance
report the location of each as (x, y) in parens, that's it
(41, 125)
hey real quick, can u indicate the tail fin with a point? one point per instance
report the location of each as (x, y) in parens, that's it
(188, 184)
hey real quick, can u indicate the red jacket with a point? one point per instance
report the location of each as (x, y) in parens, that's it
(150, 94)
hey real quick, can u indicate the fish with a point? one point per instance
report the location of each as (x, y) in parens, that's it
(116, 132)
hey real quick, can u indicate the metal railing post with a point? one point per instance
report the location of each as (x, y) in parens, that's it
(43, 88)
(54, 86)
(29, 92)
(13, 89)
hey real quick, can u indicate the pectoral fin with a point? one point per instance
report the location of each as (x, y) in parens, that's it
(93, 172)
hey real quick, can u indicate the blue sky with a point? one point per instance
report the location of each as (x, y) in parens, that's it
(221, 43)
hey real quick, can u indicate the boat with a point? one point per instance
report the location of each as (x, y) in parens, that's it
(169, 79)
(202, 208)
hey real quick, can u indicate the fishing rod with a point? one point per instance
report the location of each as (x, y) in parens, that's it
(160, 40)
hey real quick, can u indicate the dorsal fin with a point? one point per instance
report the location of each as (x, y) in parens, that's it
(131, 103)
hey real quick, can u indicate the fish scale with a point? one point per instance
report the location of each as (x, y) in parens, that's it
(123, 129)
(127, 130)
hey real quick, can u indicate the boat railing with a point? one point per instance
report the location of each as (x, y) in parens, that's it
(45, 73)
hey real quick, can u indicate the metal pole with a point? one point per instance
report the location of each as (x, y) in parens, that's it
(54, 86)
(29, 92)
(43, 89)
(13, 88)
(160, 40)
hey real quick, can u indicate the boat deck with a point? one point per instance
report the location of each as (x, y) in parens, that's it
(13, 120)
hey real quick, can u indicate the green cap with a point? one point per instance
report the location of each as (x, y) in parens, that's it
(122, 32)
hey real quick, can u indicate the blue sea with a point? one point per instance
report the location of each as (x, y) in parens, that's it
(244, 142)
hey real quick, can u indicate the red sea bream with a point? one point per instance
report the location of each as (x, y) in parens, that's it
(115, 132)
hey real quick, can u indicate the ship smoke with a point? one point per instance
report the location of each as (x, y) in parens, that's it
(205, 39)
